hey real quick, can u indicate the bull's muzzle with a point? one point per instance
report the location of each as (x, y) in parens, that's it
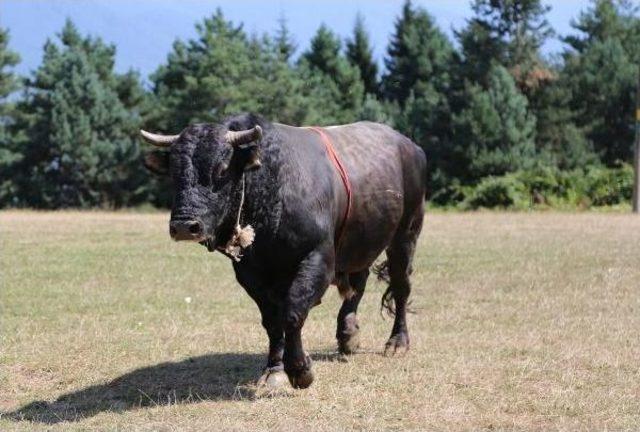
(192, 230)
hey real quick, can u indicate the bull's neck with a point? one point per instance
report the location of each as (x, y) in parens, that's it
(262, 205)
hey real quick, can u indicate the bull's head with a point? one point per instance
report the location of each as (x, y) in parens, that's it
(206, 163)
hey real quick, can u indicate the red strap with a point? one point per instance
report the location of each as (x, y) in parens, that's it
(343, 175)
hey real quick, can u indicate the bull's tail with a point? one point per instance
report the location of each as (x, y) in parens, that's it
(381, 270)
(387, 303)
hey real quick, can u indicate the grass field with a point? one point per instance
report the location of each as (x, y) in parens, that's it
(523, 321)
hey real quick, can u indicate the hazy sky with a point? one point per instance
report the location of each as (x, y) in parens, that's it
(144, 30)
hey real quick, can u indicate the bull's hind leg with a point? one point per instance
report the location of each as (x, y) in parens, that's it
(400, 257)
(348, 330)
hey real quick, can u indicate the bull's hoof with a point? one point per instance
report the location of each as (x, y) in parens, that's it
(301, 379)
(349, 344)
(273, 379)
(301, 375)
(398, 343)
(349, 337)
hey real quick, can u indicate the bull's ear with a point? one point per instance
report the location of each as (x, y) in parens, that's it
(157, 161)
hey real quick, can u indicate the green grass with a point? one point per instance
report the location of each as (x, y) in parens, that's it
(523, 321)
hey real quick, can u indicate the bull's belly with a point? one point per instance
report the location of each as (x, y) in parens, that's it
(368, 233)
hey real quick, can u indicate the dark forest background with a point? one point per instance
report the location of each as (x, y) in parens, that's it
(501, 124)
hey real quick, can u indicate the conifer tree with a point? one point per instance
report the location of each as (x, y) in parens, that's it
(601, 72)
(479, 51)
(495, 133)
(286, 45)
(607, 19)
(223, 72)
(509, 33)
(560, 141)
(418, 53)
(10, 154)
(520, 25)
(324, 52)
(335, 79)
(360, 54)
(8, 59)
(278, 92)
(204, 78)
(419, 60)
(80, 145)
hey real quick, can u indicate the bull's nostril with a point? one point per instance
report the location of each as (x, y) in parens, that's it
(195, 228)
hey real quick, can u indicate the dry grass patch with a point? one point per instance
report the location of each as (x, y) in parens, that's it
(524, 321)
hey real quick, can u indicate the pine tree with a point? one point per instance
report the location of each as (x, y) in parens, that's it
(601, 72)
(80, 147)
(520, 24)
(278, 91)
(375, 110)
(509, 33)
(607, 19)
(285, 43)
(360, 55)
(603, 80)
(324, 52)
(479, 51)
(495, 134)
(418, 52)
(418, 83)
(223, 72)
(10, 154)
(8, 59)
(205, 79)
(559, 140)
(331, 76)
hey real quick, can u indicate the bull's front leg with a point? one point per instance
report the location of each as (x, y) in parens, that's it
(273, 376)
(314, 276)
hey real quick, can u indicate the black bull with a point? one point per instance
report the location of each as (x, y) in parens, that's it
(295, 200)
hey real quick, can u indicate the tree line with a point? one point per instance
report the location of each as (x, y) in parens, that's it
(499, 121)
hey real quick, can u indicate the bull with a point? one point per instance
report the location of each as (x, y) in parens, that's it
(322, 205)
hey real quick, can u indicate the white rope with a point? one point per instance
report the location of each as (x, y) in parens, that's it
(241, 203)
(242, 237)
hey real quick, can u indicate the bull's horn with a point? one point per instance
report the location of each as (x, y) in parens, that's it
(243, 137)
(157, 139)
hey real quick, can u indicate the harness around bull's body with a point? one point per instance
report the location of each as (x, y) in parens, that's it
(333, 156)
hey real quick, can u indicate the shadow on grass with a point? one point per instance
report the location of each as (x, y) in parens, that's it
(209, 377)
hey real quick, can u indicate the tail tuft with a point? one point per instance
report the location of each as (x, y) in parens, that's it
(386, 304)
(382, 271)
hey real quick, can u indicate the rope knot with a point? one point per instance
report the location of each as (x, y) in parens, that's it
(242, 237)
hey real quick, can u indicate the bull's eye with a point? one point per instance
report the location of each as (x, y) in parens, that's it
(221, 171)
